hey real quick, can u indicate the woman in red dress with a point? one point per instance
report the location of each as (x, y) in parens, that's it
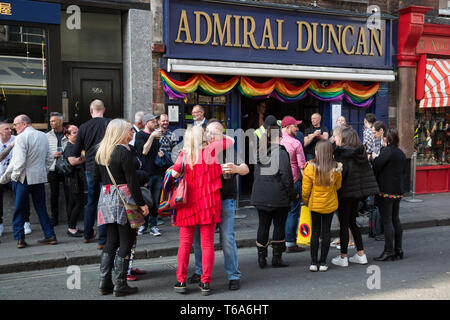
(203, 182)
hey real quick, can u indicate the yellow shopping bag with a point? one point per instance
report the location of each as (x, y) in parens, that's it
(304, 227)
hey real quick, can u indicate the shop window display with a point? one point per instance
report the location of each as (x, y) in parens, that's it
(432, 136)
(215, 106)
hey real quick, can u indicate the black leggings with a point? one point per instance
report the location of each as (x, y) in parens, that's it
(348, 211)
(120, 237)
(74, 209)
(321, 226)
(279, 216)
(389, 211)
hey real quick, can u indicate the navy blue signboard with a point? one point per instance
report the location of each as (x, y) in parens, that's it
(228, 32)
(30, 11)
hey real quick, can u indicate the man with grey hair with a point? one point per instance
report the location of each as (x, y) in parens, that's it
(28, 169)
(198, 115)
(138, 125)
(57, 143)
(228, 193)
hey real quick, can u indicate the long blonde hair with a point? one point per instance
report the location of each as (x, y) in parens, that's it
(324, 163)
(116, 131)
(193, 144)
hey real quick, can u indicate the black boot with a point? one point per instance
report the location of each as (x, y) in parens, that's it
(398, 253)
(262, 255)
(106, 265)
(121, 287)
(278, 249)
(386, 255)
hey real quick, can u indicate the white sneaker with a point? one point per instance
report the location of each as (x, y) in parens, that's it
(358, 259)
(27, 228)
(1, 229)
(142, 230)
(313, 268)
(338, 261)
(323, 268)
(155, 231)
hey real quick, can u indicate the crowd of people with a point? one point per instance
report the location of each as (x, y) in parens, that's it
(117, 161)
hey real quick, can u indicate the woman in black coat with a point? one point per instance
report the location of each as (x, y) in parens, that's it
(358, 182)
(390, 170)
(272, 193)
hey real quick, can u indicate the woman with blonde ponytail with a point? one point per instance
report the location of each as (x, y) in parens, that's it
(113, 152)
(202, 173)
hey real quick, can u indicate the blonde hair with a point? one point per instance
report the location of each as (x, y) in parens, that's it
(116, 131)
(193, 144)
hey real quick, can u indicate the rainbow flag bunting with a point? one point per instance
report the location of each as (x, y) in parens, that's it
(354, 93)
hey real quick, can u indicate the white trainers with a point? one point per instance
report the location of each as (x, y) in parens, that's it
(358, 259)
(141, 230)
(338, 261)
(155, 231)
(323, 268)
(27, 228)
(313, 268)
(1, 229)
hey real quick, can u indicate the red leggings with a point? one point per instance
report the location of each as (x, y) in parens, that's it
(184, 251)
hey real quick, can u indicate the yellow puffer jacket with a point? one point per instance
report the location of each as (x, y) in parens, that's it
(320, 199)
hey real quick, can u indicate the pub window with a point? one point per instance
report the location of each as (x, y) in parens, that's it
(23, 73)
(215, 106)
(444, 8)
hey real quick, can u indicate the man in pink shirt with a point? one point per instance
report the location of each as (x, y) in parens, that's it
(297, 158)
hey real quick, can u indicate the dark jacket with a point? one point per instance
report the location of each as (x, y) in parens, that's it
(390, 170)
(358, 180)
(275, 189)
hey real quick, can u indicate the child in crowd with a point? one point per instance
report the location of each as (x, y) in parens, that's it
(321, 180)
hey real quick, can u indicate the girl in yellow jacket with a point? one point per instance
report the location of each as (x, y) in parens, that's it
(322, 179)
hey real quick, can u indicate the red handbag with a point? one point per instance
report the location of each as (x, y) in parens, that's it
(178, 195)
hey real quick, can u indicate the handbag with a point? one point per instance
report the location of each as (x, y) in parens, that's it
(63, 166)
(178, 195)
(134, 212)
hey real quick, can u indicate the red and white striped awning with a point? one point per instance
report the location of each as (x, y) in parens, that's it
(437, 84)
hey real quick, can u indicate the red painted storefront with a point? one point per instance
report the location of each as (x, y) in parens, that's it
(420, 42)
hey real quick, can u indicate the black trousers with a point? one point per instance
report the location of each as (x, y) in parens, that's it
(348, 211)
(120, 237)
(393, 231)
(278, 216)
(75, 203)
(54, 179)
(321, 227)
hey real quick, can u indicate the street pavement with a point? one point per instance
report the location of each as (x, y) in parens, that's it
(433, 211)
(424, 273)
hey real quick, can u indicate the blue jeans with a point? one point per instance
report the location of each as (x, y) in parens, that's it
(37, 191)
(90, 213)
(155, 186)
(293, 217)
(227, 240)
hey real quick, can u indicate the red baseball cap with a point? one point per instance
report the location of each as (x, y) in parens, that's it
(288, 120)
